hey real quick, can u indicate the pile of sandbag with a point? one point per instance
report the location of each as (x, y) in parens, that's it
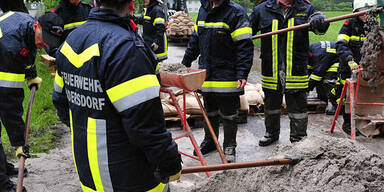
(254, 94)
(192, 105)
(180, 24)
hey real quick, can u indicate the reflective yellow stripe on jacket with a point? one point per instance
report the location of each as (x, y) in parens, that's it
(220, 87)
(333, 68)
(134, 92)
(241, 33)
(213, 24)
(78, 60)
(163, 55)
(59, 83)
(2, 18)
(73, 25)
(12, 80)
(271, 82)
(315, 77)
(293, 82)
(158, 20)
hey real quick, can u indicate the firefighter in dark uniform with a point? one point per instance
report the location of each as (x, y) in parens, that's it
(284, 62)
(74, 13)
(20, 36)
(105, 75)
(348, 45)
(322, 70)
(153, 22)
(222, 38)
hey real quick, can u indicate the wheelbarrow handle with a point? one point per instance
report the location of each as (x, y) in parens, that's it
(20, 177)
(306, 25)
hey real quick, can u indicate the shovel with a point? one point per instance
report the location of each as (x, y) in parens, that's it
(288, 160)
(333, 19)
(20, 176)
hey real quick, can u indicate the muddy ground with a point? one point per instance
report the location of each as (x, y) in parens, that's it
(55, 171)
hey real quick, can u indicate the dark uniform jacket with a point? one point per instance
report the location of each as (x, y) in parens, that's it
(284, 56)
(17, 58)
(153, 23)
(119, 138)
(323, 59)
(349, 43)
(73, 16)
(222, 38)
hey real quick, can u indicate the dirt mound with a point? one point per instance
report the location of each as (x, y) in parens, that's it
(173, 68)
(342, 165)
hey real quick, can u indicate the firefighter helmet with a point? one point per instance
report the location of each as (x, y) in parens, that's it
(358, 4)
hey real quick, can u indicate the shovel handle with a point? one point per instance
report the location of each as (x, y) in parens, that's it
(219, 167)
(20, 176)
(306, 25)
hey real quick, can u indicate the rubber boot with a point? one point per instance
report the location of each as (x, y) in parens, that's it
(330, 109)
(268, 139)
(208, 145)
(230, 132)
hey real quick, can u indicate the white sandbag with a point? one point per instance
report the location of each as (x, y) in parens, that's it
(169, 110)
(244, 105)
(191, 103)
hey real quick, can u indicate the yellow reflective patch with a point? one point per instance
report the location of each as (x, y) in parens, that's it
(92, 154)
(241, 31)
(132, 86)
(291, 23)
(78, 60)
(12, 77)
(158, 20)
(75, 24)
(309, 67)
(59, 80)
(275, 58)
(213, 24)
(330, 50)
(160, 55)
(358, 38)
(222, 84)
(343, 37)
(159, 188)
(302, 14)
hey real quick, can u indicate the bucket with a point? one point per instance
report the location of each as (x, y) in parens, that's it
(190, 81)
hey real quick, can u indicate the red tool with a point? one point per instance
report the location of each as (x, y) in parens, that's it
(20, 176)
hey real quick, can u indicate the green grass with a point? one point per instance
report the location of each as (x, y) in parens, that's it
(43, 118)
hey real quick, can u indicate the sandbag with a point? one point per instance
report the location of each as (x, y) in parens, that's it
(244, 105)
(191, 103)
(168, 109)
(254, 98)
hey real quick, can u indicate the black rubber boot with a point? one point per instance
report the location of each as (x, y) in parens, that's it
(208, 145)
(230, 132)
(330, 109)
(268, 139)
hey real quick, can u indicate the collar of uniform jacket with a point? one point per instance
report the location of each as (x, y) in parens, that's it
(110, 16)
(297, 4)
(207, 4)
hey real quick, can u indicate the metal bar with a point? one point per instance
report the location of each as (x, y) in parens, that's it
(20, 176)
(190, 156)
(352, 110)
(306, 25)
(214, 137)
(179, 137)
(219, 167)
(338, 109)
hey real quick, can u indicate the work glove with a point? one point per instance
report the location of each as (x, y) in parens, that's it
(175, 176)
(35, 82)
(22, 151)
(353, 65)
(311, 85)
(317, 23)
(154, 46)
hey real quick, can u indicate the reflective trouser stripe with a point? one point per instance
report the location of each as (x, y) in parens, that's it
(220, 86)
(98, 154)
(59, 83)
(2, 18)
(298, 115)
(241, 33)
(162, 187)
(73, 25)
(85, 189)
(78, 60)
(12, 80)
(315, 77)
(164, 54)
(134, 92)
(289, 55)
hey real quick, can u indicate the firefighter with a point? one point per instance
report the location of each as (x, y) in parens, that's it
(222, 38)
(74, 13)
(20, 36)
(284, 62)
(322, 71)
(106, 88)
(153, 23)
(348, 45)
